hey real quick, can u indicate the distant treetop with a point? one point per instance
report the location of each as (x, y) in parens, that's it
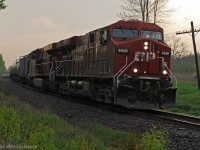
(155, 11)
(2, 4)
(2, 65)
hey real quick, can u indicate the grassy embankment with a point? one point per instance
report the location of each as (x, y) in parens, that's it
(187, 98)
(22, 124)
(188, 95)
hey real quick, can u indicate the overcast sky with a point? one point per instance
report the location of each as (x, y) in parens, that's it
(29, 24)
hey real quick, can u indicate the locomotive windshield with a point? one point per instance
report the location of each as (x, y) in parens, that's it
(125, 33)
(152, 34)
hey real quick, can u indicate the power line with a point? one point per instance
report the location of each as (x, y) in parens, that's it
(186, 30)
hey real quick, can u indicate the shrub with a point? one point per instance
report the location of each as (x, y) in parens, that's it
(153, 140)
(41, 136)
(132, 142)
(80, 143)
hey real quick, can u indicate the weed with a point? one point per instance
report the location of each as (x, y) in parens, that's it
(153, 140)
(9, 126)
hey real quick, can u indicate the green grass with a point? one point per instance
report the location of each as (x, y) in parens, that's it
(22, 124)
(153, 140)
(187, 99)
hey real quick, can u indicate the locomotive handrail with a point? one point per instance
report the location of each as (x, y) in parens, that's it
(61, 62)
(171, 74)
(118, 74)
(44, 63)
(53, 72)
(51, 69)
(57, 68)
(121, 68)
(114, 80)
(72, 60)
(92, 47)
(124, 70)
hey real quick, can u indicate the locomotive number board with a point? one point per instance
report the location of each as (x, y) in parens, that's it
(123, 51)
(166, 53)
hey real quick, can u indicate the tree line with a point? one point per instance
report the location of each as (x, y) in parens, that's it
(2, 65)
(184, 65)
(2, 62)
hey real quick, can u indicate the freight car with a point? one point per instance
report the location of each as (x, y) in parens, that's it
(126, 63)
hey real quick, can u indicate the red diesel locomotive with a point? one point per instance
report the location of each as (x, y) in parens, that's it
(126, 63)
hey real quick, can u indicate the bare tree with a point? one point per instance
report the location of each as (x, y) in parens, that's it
(179, 48)
(155, 11)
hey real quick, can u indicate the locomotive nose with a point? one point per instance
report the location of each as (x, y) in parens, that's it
(146, 58)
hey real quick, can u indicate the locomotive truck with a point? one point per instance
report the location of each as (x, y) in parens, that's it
(126, 63)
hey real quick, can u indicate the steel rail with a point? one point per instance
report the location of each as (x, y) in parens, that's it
(180, 119)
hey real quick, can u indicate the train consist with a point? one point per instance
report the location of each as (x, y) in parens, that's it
(126, 63)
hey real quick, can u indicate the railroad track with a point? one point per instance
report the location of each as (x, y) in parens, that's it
(174, 118)
(179, 119)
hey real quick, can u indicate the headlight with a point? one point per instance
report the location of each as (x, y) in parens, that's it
(145, 47)
(146, 43)
(164, 72)
(135, 70)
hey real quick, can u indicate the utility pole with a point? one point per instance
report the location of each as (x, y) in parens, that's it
(195, 49)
